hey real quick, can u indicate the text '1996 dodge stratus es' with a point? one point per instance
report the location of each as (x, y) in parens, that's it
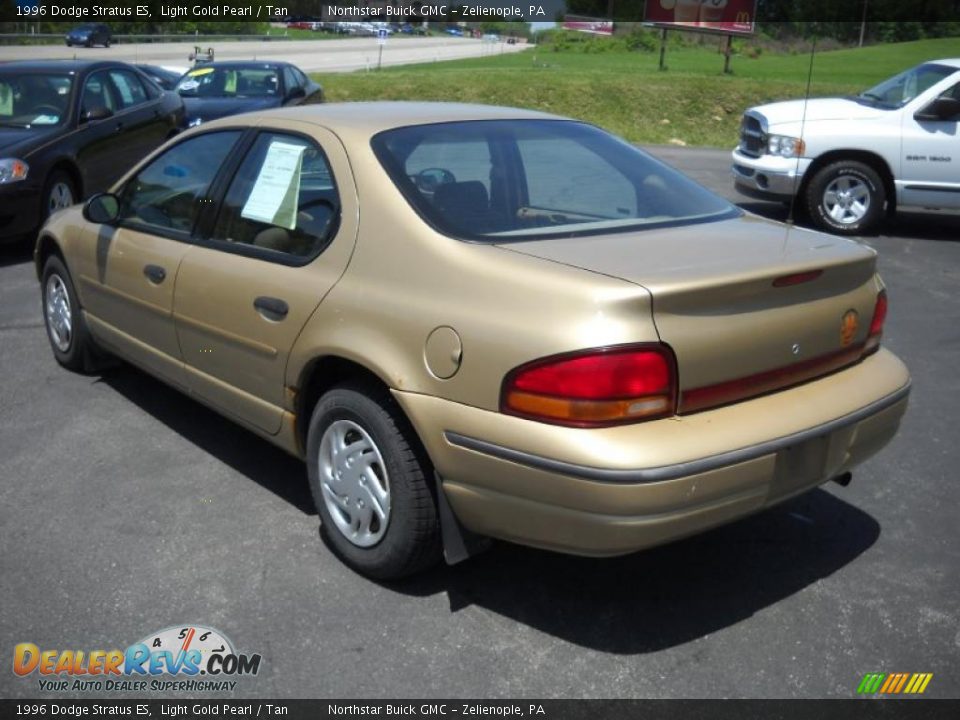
(477, 322)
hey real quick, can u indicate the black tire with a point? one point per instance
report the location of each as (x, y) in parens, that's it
(69, 44)
(411, 540)
(80, 352)
(56, 180)
(106, 43)
(852, 221)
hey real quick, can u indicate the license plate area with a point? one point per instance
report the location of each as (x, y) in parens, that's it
(800, 466)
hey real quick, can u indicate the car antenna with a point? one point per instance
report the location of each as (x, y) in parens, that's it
(791, 219)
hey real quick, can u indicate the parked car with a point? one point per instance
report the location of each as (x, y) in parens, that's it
(218, 89)
(69, 129)
(475, 321)
(849, 162)
(88, 35)
(165, 77)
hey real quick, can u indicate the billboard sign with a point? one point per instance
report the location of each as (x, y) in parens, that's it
(736, 17)
(597, 26)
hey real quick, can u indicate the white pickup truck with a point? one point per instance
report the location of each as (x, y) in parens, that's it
(848, 162)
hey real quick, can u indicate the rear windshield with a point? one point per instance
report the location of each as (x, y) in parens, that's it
(502, 180)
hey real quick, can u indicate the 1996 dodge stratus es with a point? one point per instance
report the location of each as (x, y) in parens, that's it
(477, 322)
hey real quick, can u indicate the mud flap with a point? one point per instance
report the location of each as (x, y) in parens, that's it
(459, 543)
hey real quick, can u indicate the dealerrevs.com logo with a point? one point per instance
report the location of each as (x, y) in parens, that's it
(186, 658)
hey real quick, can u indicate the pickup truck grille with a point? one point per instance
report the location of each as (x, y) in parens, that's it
(752, 139)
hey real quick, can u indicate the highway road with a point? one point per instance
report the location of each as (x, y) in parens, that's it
(339, 55)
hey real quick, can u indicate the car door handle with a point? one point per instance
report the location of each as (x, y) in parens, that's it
(271, 308)
(155, 273)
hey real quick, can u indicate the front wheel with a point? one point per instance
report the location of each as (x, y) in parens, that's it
(846, 198)
(69, 338)
(370, 481)
(59, 193)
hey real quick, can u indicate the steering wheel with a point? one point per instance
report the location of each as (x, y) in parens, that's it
(429, 179)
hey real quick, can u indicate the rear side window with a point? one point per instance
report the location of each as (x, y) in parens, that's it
(282, 201)
(166, 195)
(129, 88)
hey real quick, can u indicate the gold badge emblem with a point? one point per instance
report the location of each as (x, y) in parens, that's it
(848, 327)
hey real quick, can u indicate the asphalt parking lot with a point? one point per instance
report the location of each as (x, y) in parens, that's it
(126, 508)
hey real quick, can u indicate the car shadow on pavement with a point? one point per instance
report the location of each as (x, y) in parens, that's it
(240, 449)
(16, 254)
(664, 596)
(905, 225)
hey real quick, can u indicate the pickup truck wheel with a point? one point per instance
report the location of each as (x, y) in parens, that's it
(846, 198)
(370, 483)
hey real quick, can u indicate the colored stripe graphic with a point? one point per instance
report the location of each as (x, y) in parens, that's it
(894, 683)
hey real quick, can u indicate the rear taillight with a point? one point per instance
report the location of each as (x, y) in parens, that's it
(594, 388)
(876, 324)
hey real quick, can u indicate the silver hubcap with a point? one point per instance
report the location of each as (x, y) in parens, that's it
(847, 199)
(58, 314)
(356, 489)
(61, 196)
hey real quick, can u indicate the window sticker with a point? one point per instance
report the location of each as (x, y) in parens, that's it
(200, 71)
(46, 120)
(274, 196)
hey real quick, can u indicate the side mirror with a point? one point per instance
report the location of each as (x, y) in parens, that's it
(295, 93)
(943, 108)
(102, 208)
(98, 113)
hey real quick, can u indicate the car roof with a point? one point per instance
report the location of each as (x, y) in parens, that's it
(61, 65)
(370, 118)
(241, 64)
(953, 62)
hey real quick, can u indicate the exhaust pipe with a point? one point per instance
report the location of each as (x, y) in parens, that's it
(843, 479)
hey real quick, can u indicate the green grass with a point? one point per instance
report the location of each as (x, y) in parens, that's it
(624, 92)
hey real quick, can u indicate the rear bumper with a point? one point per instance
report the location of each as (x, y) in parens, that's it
(617, 490)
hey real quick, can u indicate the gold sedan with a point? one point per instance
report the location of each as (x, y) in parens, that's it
(477, 322)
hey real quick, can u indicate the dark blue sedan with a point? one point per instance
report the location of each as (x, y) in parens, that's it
(218, 89)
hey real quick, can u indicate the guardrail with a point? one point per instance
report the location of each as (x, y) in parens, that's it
(48, 38)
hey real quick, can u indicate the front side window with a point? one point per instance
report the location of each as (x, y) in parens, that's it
(34, 100)
(97, 94)
(283, 199)
(501, 180)
(166, 195)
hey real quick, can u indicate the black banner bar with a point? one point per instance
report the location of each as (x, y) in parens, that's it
(857, 709)
(621, 11)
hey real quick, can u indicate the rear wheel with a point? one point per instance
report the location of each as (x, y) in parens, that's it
(846, 198)
(371, 483)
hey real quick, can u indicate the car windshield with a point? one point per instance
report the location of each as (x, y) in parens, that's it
(34, 100)
(901, 89)
(229, 82)
(503, 180)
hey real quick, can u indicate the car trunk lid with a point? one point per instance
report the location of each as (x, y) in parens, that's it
(748, 305)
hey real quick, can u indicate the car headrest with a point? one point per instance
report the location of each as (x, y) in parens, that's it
(467, 197)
